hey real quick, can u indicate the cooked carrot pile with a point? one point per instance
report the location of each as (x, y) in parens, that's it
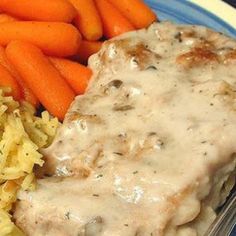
(42, 77)
(36, 40)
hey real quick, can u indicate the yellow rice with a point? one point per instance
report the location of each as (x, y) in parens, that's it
(22, 135)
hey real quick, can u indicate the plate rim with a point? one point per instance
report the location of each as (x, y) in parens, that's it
(222, 10)
(217, 10)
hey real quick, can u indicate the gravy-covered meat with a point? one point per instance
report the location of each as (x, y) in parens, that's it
(149, 148)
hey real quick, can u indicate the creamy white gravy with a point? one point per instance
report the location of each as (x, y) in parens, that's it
(143, 146)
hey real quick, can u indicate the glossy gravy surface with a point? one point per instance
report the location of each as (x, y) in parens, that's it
(143, 144)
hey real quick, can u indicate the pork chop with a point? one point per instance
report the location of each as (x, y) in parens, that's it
(149, 148)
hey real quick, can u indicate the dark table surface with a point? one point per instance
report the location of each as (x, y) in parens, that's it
(232, 2)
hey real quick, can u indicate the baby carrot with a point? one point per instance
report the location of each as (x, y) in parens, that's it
(88, 48)
(87, 20)
(114, 23)
(41, 76)
(41, 10)
(136, 11)
(74, 73)
(27, 93)
(57, 39)
(6, 80)
(6, 18)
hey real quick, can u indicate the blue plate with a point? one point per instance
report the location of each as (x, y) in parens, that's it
(185, 12)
